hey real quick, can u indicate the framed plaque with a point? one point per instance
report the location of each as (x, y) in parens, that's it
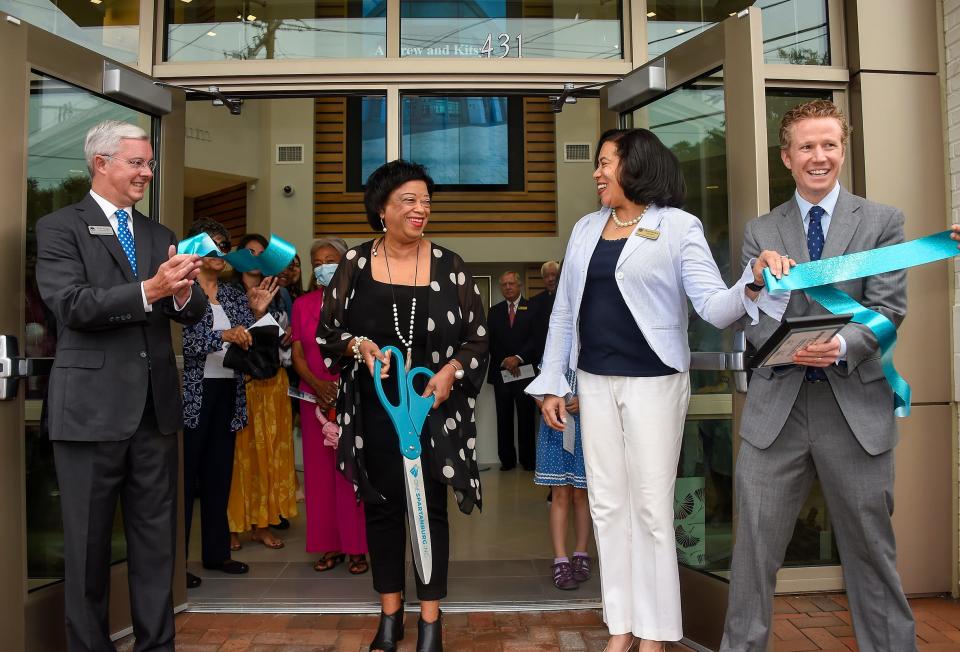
(794, 334)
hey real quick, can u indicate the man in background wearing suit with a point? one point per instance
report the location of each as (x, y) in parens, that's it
(542, 305)
(828, 416)
(113, 279)
(513, 343)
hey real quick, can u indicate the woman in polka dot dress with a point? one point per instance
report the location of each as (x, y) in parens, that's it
(402, 290)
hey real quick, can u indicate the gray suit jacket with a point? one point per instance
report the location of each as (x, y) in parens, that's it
(109, 349)
(861, 390)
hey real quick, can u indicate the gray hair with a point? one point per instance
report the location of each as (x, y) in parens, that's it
(547, 265)
(337, 244)
(104, 139)
(516, 275)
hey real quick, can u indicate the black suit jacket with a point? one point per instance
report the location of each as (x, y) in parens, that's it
(542, 305)
(109, 349)
(506, 340)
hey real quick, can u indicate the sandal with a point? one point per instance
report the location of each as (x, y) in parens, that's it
(328, 561)
(358, 564)
(267, 539)
(235, 541)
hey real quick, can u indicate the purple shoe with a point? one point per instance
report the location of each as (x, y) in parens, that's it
(581, 568)
(563, 576)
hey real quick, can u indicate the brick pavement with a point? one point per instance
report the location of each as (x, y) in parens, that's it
(802, 622)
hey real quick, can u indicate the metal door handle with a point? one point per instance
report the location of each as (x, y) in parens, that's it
(734, 361)
(13, 367)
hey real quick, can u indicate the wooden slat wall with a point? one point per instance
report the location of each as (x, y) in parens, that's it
(227, 206)
(530, 212)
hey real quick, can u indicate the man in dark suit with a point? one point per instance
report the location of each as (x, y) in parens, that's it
(513, 343)
(112, 278)
(829, 415)
(542, 305)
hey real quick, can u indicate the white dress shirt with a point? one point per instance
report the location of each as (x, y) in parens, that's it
(111, 212)
(828, 204)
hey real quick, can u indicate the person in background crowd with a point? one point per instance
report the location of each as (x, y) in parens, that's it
(828, 416)
(542, 305)
(560, 466)
(215, 402)
(513, 343)
(371, 302)
(335, 520)
(113, 280)
(620, 320)
(264, 480)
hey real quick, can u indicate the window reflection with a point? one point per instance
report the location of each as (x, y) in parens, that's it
(60, 116)
(205, 30)
(510, 29)
(110, 28)
(794, 31)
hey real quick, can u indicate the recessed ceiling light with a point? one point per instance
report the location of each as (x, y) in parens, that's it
(251, 18)
(680, 30)
(186, 2)
(211, 33)
(651, 14)
(96, 2)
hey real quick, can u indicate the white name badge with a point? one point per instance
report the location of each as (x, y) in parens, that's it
(100, 230)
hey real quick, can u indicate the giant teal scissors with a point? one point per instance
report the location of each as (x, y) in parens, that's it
(408, 418)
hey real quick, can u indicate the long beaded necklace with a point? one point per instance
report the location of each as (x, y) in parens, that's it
(408, 342)
(613, 214)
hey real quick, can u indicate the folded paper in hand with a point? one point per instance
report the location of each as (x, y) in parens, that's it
(526, 371)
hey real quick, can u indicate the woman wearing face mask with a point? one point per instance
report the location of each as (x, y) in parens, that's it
(335, 520)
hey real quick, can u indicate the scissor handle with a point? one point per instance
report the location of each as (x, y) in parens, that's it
(410, 414)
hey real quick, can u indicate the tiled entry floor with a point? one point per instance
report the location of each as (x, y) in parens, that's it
(288, 587)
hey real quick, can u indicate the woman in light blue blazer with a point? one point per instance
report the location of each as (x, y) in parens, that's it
(620, 320)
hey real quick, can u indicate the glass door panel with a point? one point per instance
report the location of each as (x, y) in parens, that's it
(59, 116)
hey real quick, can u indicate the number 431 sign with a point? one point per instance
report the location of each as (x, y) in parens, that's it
(502, 46)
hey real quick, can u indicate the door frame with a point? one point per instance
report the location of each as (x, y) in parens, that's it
(33, 620)
(736, 46)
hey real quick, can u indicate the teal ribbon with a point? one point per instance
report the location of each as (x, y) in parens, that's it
(816, 277)
(274, 259)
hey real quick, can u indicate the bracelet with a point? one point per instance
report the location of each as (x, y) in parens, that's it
(357, 341)
(457, 369)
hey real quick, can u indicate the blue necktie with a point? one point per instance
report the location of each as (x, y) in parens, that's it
(815, 248)
(126, 239)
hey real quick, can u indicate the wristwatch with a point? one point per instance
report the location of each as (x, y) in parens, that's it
(754, 287)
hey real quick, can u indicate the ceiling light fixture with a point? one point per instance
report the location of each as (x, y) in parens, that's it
(651, 14)
(211, 33)
(96, 2)
(680, 30)
(251, 18)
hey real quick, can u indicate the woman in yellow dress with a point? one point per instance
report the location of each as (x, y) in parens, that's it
(263, 487)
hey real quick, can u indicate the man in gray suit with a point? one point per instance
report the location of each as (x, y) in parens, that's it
(830, 415)
(113, 279)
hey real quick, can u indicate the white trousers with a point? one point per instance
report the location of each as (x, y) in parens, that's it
(632, 432)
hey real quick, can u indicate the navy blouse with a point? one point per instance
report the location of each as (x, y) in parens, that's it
(611, 343)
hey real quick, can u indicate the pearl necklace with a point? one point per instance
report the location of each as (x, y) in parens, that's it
(408, 342)
(613, 214)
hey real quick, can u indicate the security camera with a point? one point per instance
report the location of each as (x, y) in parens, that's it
(287, 191)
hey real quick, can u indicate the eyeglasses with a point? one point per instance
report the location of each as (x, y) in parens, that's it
(223, 245)
(136, 163)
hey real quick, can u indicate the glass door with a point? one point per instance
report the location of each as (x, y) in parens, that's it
(703, 99)
(56, 90)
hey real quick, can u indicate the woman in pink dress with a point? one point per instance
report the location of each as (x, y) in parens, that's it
(335, 522)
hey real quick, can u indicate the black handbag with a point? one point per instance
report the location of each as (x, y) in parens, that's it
(262, 359)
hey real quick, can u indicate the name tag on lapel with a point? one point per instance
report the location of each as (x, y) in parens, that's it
(648, 234)
(100, 230)
(521, 307)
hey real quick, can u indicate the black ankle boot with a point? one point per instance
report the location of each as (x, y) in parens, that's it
(389, 632)
(430, 635)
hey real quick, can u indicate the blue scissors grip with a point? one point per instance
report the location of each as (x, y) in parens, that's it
(409, 416)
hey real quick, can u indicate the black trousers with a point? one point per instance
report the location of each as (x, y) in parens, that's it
(387, 522)
(142, 473)
(208, 469)
(510, 397)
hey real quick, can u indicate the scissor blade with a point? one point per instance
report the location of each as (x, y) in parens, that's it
(417, 519)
